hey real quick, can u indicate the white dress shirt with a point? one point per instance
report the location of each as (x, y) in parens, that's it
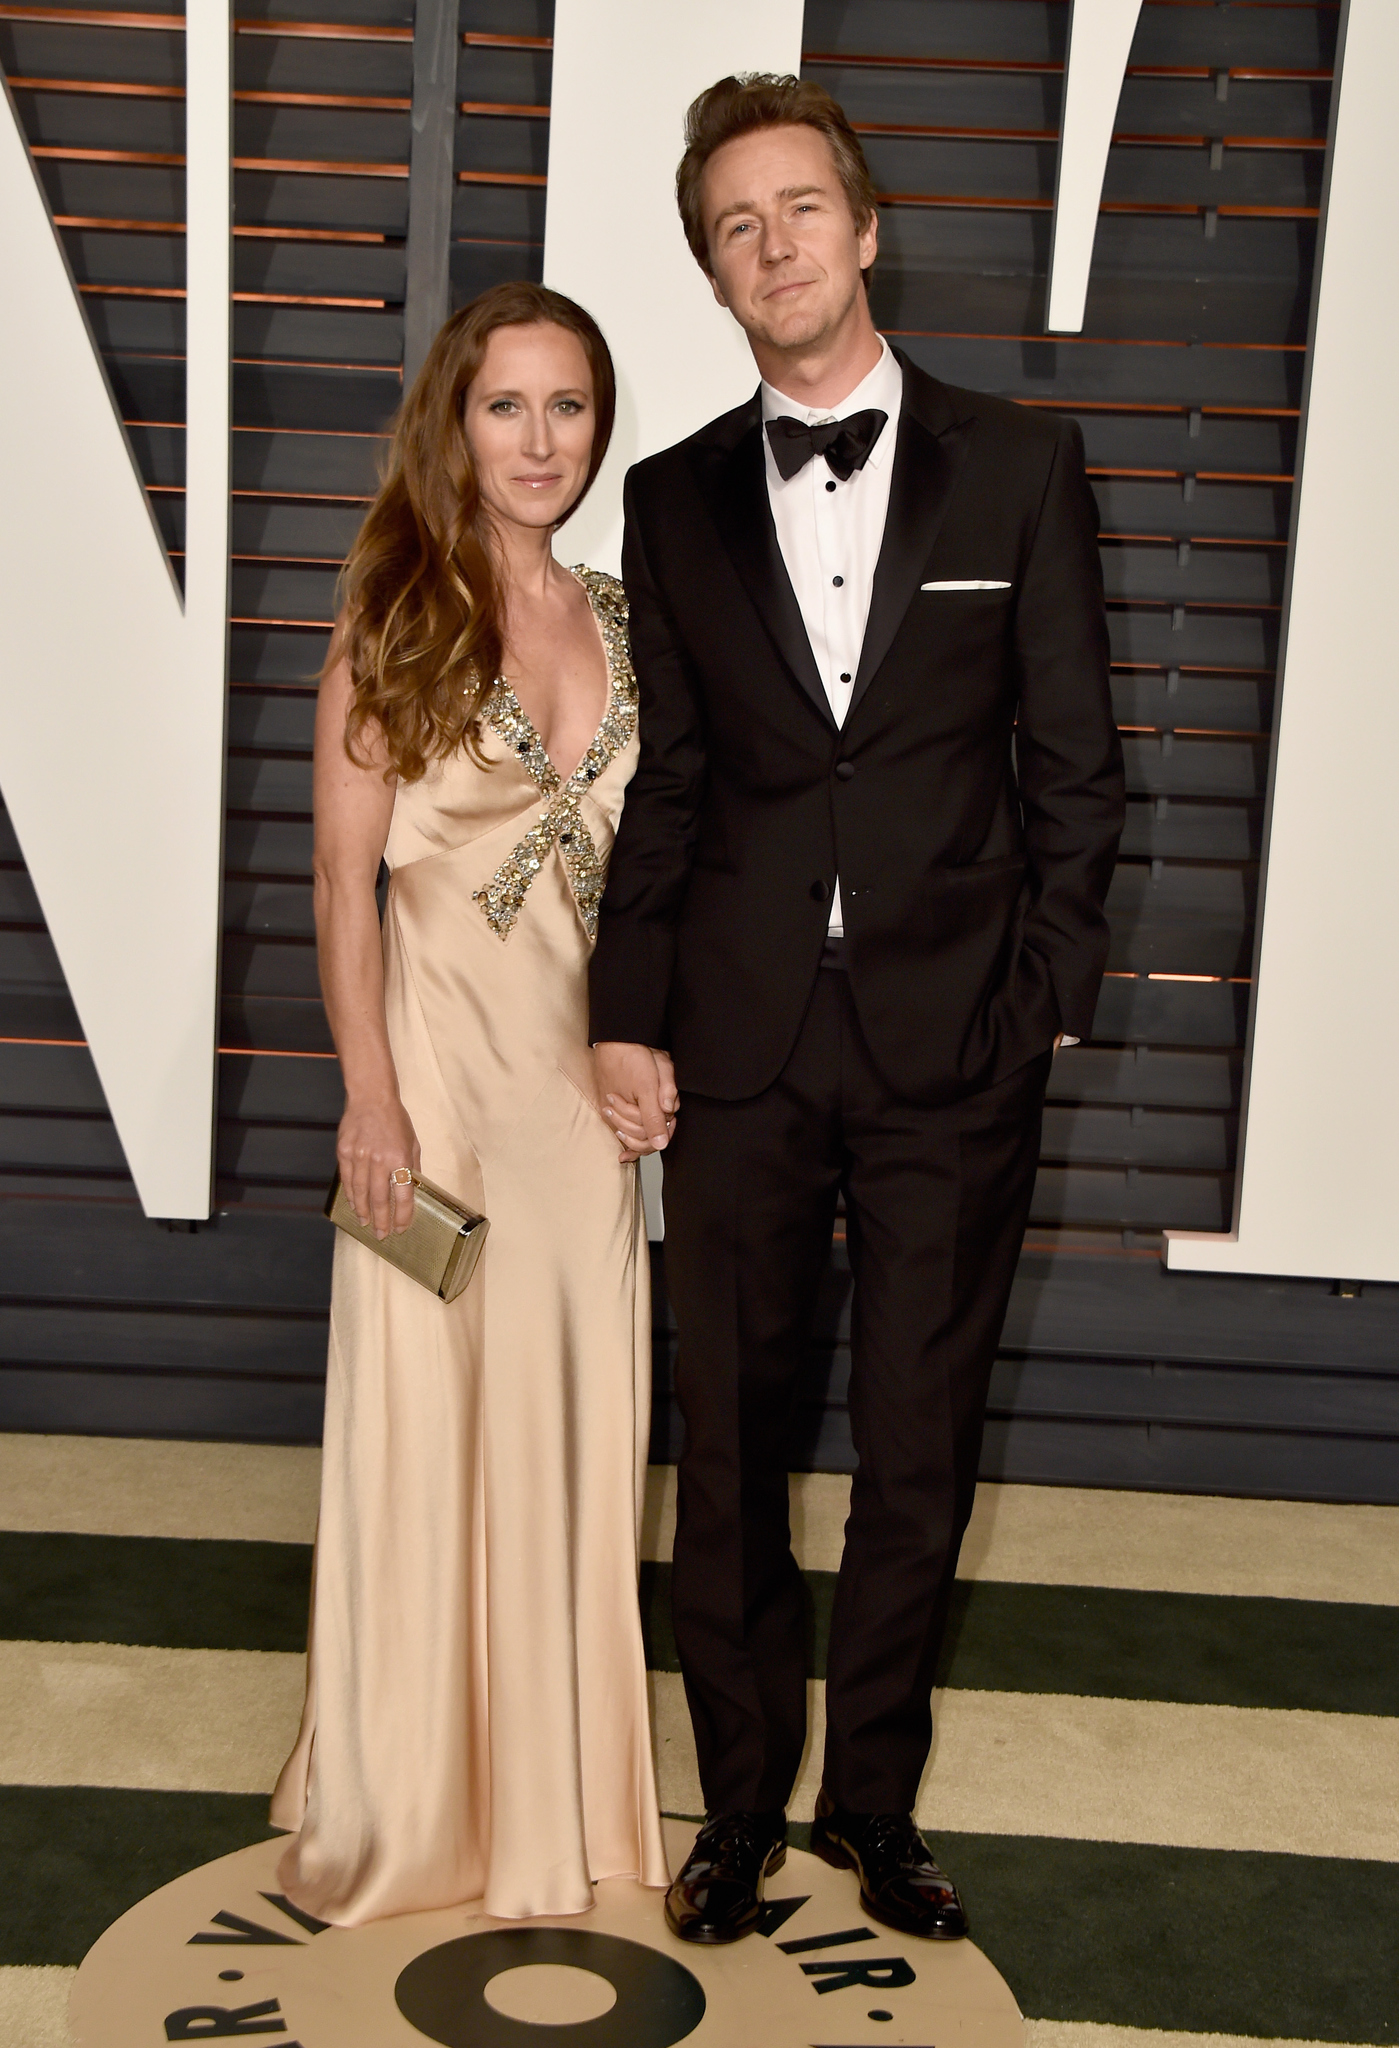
(830, 534)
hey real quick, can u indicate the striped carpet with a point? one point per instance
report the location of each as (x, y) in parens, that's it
(1167, 1763)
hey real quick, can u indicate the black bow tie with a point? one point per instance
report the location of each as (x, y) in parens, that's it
(846, 444)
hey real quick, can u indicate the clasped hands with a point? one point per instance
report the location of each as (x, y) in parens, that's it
(636, 1086)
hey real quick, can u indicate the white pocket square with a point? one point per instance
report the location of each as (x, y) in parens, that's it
(975, 584)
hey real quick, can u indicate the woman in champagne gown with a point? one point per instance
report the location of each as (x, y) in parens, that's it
(476, 1723)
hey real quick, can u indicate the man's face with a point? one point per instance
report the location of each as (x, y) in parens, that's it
(785, 253)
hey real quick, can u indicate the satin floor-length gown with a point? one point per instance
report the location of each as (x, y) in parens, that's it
(476, 1722)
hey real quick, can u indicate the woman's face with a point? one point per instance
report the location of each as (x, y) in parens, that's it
(530, 422)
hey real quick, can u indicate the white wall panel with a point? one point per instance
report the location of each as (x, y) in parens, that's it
(111, 690)
(624, 73)
(1100, 39)
(1319, 1190)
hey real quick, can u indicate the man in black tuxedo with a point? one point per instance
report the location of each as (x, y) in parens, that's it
(857, 899)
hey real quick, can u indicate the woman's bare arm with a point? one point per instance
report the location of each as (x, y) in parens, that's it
(353, 806)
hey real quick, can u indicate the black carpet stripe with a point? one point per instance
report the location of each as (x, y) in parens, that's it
(76, 1857)
(160, 1591)
(1191, 1649)
(1187, 1648)
(1220, 1941)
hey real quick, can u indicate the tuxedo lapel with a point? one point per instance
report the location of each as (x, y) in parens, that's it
(733, 481)
(928, 458)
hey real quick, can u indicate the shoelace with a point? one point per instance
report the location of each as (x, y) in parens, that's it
(727, 1833)
(893, 1834)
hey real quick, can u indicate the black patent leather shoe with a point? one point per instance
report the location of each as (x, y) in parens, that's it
(899, 1882)
(718, 1896)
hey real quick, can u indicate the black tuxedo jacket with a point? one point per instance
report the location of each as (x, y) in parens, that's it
(971, 804)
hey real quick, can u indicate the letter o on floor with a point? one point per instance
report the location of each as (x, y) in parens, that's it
(443, 1991)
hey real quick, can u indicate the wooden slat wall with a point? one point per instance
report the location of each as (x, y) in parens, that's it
(1187, 383)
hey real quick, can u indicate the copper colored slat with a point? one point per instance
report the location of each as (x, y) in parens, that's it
(265, 1052)
(1229, 141)
(43, 1041)
(479, 39)
(119, 227)
(1197, 540)
(305, 168)
(1177, 209)
(313, 433)
(360, 103)
(281, 497)
(953, 200)
(956, 134)
(1203, 476)
(1142, 405)
(305, 626)
(61, 154)
(501, 178)
(520, 113)
(1087, 340)
(100, 87)
(325, 31)
(91, 17)
(168, 291)
(1042, 68)
(1012, 64)
(103, 224)
(1235, 72)
(132, 291)
(962, 134)
(304, 299)
(337, 235)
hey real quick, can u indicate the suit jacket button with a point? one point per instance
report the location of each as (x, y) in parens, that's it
(819, 892)
(845, 769)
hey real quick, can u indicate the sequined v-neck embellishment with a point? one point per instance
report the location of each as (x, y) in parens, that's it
(562, 823)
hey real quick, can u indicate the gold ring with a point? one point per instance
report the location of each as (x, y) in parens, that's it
(401, 1177)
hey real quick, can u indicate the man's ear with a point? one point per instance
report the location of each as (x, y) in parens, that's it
(869, 241)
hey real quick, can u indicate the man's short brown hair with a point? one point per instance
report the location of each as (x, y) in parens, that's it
(760, 99)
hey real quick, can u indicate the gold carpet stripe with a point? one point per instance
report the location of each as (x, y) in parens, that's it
(1047, 1535)
(167, 1720)
(1091, 2034)
(34, 2006)
(1142, 1542)
(123, 1486)
(1120, 1771)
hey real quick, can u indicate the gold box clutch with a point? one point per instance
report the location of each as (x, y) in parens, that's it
(440, 1247)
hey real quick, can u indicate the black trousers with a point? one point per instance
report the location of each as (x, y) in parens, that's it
(936, 1202)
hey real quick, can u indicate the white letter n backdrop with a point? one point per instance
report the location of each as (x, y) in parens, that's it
(112, 689)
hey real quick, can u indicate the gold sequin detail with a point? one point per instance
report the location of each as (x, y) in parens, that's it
(562, 824)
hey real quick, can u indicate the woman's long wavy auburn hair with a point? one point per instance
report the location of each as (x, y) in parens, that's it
(420, 596)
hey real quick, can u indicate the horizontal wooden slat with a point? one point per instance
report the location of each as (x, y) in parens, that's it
(1159, 1138)
(1196, 703)
(1164, 1080)
(1131, 1199)
(1235, 575)
(1074, 370)
(1132, 1009)
(1205, 637)
(1167, 828)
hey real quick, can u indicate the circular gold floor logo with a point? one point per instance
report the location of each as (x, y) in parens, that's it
(221, 1955)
